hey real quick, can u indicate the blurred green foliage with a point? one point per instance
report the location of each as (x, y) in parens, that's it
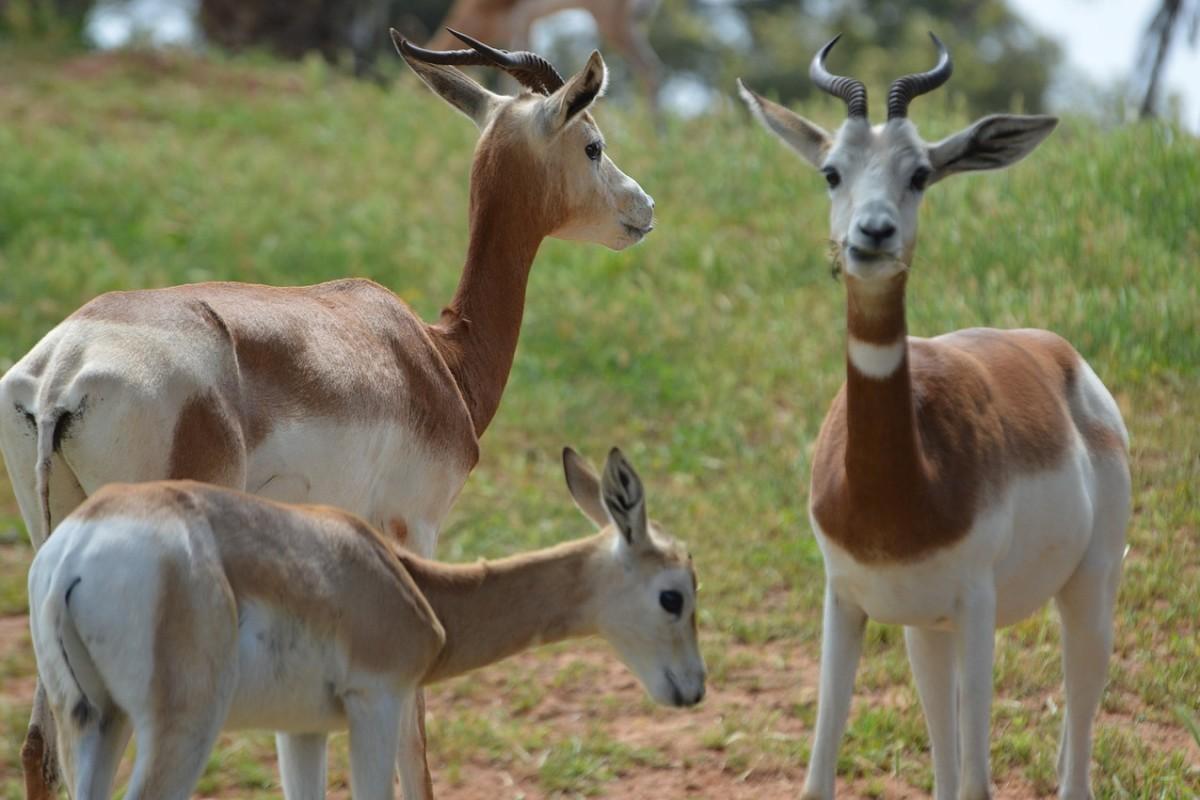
(1000, 62)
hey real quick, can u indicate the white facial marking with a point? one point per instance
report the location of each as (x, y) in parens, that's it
(876, 361)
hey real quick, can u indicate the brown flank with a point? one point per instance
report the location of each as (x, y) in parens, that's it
(904, 465)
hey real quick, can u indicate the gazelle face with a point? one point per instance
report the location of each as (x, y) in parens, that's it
(649, 617)
(645, 604)
(604, 205)
(546, 155)
(877, 176)
(876, 179)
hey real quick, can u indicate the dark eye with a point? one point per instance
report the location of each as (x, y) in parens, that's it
(832, 177)
(594, 150)
(919, 178)
(672, 602)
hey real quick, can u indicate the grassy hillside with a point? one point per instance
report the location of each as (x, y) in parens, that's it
(709, 353)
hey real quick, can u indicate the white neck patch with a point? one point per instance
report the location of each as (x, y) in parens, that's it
(876, 361)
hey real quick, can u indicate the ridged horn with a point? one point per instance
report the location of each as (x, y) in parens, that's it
(850, 90)
(904, 89)
(533, 71)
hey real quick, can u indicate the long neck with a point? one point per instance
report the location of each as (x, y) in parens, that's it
(882, 446)
(478, 331)
(493, 609)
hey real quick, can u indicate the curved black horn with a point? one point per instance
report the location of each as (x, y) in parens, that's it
(904, 89)
(530, 69)
(848, 89)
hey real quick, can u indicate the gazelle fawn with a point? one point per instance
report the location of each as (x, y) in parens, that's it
(173, 610)
(958, 482)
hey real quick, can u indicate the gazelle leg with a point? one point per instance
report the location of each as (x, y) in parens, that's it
(374, 718)
(976, 640)
(302, 765)
(1085, 607)
(95, 771)
(931, 654)
(841, 646)
(39, 757)
(172, 752)
(410, 754)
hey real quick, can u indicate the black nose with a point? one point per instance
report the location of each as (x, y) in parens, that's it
(878, 231)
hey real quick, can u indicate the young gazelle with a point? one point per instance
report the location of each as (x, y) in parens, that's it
(177, 609)
(958, 482)
(260, 388)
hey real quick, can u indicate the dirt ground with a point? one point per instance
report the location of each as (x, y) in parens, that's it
(690, 766)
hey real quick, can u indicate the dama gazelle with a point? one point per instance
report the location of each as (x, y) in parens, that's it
(621, 24)
(173, 610)
(336, 393)
(958, 482)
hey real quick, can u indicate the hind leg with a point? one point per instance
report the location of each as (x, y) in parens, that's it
(91, 758)
(39, 756)
(1085, 606)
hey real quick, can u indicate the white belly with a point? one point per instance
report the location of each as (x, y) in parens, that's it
(288, 678)
(381, 471)
(1026, 545)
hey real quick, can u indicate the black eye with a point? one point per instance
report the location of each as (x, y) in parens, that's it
(594, 150)
(919, 178)
(672, 602)
(832, 177)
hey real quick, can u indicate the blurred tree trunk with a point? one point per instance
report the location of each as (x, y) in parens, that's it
(1156, 46)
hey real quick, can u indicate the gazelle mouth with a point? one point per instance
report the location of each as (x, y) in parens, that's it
(677, 697)
(636, 232)
(867, 256)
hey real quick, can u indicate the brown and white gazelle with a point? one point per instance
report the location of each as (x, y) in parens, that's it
(958, 482)
(176, 609)
(336, 393)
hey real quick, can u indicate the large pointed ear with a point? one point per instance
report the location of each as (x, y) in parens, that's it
(584, 486)
(991, 143)
(577, 94)
(624, 499)
(808, 139)
(452, 85)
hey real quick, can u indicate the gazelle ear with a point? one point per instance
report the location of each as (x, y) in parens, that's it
(453, 86)
(625, 499)
(577, 94)
(808, 139)
(991, 143)
(584, 486)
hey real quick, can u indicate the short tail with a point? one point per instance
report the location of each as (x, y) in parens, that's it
(80, 688)
(48, 438)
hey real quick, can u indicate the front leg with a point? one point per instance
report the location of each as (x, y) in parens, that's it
(931, 654)
(374, 718)
(841, 646)
(975, 650)
(302, 765)
(410, 754)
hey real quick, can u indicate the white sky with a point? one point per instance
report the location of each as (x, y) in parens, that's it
(1101, 37)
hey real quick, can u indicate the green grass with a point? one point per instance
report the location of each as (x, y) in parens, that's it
(709, 353)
